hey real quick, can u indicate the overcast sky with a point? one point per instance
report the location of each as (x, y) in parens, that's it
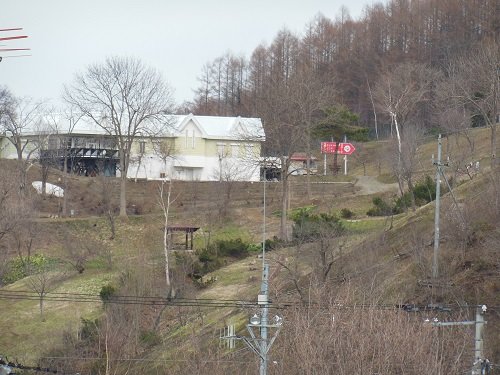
(175, 36)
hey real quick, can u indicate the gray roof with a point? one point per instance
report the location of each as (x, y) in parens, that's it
(214, 127)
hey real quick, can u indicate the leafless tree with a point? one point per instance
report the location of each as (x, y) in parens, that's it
(21, 120)
(42, 279)
(164, 201)
(364, 340)
(310, 95)
(78, 249)
(7, 106)
(401, 90)
(406, 163)
(164, 149)
(126, 99)
(108, 204)
(62, 126)
(475, 83)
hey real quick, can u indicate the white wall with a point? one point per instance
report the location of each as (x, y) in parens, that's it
(197, 168)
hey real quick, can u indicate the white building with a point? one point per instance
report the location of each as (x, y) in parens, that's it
(204, 148)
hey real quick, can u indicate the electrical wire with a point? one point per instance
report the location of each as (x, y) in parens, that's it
(211, 303)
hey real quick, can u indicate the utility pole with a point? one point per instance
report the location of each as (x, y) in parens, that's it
(263, 299)
(261, 345)
(480, 366)
(435, 269)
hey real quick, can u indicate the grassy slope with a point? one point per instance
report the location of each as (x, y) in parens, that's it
(23, 333)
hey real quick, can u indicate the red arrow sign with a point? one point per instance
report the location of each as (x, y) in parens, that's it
(331, 148)
(346, 149)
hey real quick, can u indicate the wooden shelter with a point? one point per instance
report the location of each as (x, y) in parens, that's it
(187, 229)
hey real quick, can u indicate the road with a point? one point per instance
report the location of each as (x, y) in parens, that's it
(370, 185)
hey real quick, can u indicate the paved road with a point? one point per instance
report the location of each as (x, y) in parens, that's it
(370, 185)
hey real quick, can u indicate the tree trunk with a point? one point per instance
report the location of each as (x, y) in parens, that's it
(19, 148)
(41, 306)
(123, 196)
(284, 201)
(166, 243)
(493, 144)
(65, 184)
(412, 194)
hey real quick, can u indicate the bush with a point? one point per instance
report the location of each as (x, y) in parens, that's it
(274, 243)
(424, 192)
(107, 292)
(150, 338)
(89, 330)
(20, 267)
(346, 213)
(212, 257)
(233, 248)
(381, 208)
(309, 226)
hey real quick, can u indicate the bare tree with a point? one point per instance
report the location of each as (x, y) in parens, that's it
(7, 105)
(236, 164)
(22, 118)
(401, 90)
(106, 187)
(475, 83)
(126, 99)
(42, 280)
(311, 95)
(19, 120)
(164, 149)
(78, 249)
(62, 127)
(165, 201)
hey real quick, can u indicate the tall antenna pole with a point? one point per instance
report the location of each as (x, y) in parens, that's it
(260, 344)
(264, 223)
(263, 298)
(435, 269)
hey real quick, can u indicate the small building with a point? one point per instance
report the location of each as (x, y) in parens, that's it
(201, 148)
(298, 164)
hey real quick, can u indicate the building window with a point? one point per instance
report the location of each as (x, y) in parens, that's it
(142, 147)
(221, 150)
(163, 175)
(235, 150)
(249, 151)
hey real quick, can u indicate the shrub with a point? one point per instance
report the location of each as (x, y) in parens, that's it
(20, 267)
(274, 243)
(381, 208)
(233, 248)
(346, 213)
(150, 338)
(89, 330)
(424, 192)
(309, 226)
(212, 257)
(107, 292)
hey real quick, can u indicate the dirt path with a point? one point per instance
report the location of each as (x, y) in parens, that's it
(370, 185)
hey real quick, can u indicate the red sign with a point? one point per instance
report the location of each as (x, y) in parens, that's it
(331, 148)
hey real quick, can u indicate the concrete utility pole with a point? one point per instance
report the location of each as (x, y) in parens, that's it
(480, 365)
(435, 269)
(263, 299)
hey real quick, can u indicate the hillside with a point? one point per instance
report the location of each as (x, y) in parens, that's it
(383, 261)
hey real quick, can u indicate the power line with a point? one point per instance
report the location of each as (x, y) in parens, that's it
(212, 303)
